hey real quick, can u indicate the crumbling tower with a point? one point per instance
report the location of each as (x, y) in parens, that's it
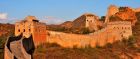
(112, 9)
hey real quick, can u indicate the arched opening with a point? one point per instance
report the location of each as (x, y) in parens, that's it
(118, 27)
(24, 30)
(18, 30)
(29, 30)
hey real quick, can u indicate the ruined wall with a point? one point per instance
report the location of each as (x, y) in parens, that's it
(111, 33)
(112, 9)
(127, 14)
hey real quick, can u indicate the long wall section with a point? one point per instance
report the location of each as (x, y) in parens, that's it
(114, 31)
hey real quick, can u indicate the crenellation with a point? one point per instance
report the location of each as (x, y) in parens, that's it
(119, 22)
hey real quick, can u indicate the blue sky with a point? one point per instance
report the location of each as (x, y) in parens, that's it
(56, 11)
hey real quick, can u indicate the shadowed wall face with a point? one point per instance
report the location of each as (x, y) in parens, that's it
(39, 33)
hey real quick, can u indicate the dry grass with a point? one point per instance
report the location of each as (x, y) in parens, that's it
(109, 51)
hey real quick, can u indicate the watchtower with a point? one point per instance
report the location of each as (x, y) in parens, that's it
(31, 26)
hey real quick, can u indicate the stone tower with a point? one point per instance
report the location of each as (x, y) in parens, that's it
(112, 9)
(87, 20)
(29, 33)
(31, 26)
(91, 21)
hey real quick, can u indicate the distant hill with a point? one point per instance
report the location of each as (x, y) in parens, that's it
(5, 31)
(67, 24)
(6, 28)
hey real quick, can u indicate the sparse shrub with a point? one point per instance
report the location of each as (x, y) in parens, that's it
(100, 27)
(88, 49)
(138, 50)
(41, 48)
(85, 31)
(1, 53)
(75, 47)
(59, 29)
(121, 9)
(88, 46)
(124, 40)
(131, 41)
(47, 45)
(53, 45)
(114, 18)
(109, 45)
(12, 34)
(2, 40)
(102, 18)
(98, 46)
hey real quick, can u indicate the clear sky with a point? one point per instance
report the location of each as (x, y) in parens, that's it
(56, 11)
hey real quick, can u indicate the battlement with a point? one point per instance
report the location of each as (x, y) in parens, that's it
(119, 23)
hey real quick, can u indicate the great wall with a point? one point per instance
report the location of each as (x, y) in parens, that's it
(29, 33)
(111, 33)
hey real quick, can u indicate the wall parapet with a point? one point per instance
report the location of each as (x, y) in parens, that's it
(119, 22)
